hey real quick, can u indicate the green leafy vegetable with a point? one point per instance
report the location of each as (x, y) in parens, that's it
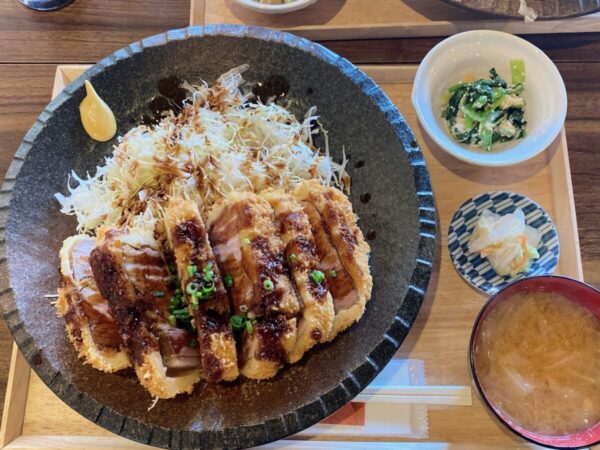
(485, 112)
(517, 71)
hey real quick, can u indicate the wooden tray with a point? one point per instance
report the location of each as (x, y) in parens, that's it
(368, 19)
(34, 418)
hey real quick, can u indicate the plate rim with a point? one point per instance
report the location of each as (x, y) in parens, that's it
(461, 5)
(303, 416)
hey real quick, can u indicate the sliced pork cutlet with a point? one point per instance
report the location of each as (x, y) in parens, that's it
(131, 273)
(341, 248)
(266, 344)
(203, 289)
(248, 248)
(90, 324)
(316, 319)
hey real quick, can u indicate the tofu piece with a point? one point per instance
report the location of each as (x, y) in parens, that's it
(90, 324)
(265, 351)
(247, 247)
(189, 241)
(316, 318)
(131, 273)
(341, 248)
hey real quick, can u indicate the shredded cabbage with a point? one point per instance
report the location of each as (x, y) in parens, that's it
(506, 241)
(220, 142)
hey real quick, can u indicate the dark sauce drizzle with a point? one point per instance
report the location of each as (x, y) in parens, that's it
(275, 86)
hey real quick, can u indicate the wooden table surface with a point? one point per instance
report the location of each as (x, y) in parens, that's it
(32, 44)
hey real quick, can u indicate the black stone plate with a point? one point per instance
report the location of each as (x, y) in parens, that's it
(386, 162)
(545, 9)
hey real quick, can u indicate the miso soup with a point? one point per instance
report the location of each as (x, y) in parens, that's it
(538, 360)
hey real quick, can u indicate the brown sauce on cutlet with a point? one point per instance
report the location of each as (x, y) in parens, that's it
(73, 315)
(129, 312)
(269, 266)
(305, 253)
(271, 331)
(349, 239)
(86, 300)
(307, 260)
(291, 222)
(211, 367)
(209, 325)
(190, 232)
(341, 285)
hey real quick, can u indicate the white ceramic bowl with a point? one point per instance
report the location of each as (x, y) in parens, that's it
(275, 9)
(475, 53)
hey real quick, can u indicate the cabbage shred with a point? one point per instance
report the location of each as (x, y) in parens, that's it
(219, 142)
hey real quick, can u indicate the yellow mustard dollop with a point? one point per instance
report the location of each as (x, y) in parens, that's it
(97, 118)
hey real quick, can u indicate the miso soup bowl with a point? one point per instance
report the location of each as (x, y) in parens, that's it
(577, 291)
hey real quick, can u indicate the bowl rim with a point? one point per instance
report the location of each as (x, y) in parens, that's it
(471, 357)
(429, 60)
(274, 9)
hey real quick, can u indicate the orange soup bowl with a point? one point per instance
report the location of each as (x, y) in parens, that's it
(577, 291)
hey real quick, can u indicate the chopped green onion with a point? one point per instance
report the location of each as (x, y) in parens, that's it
(332, 273)
(175, 302)
(182, 313)
(191, 270)
(268, 285)
(228, 280)
(178, 291)
(192, 288)
(293, 257)
(202, 295)
(193, 343)
(208, 276)
(159, 293)
(207, 267)
(317, 276)
(246, 241)
(237, 322)
(248, 326)
(194, 301)
(172, 320)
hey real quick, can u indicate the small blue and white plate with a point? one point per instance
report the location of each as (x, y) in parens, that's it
(477, 270)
